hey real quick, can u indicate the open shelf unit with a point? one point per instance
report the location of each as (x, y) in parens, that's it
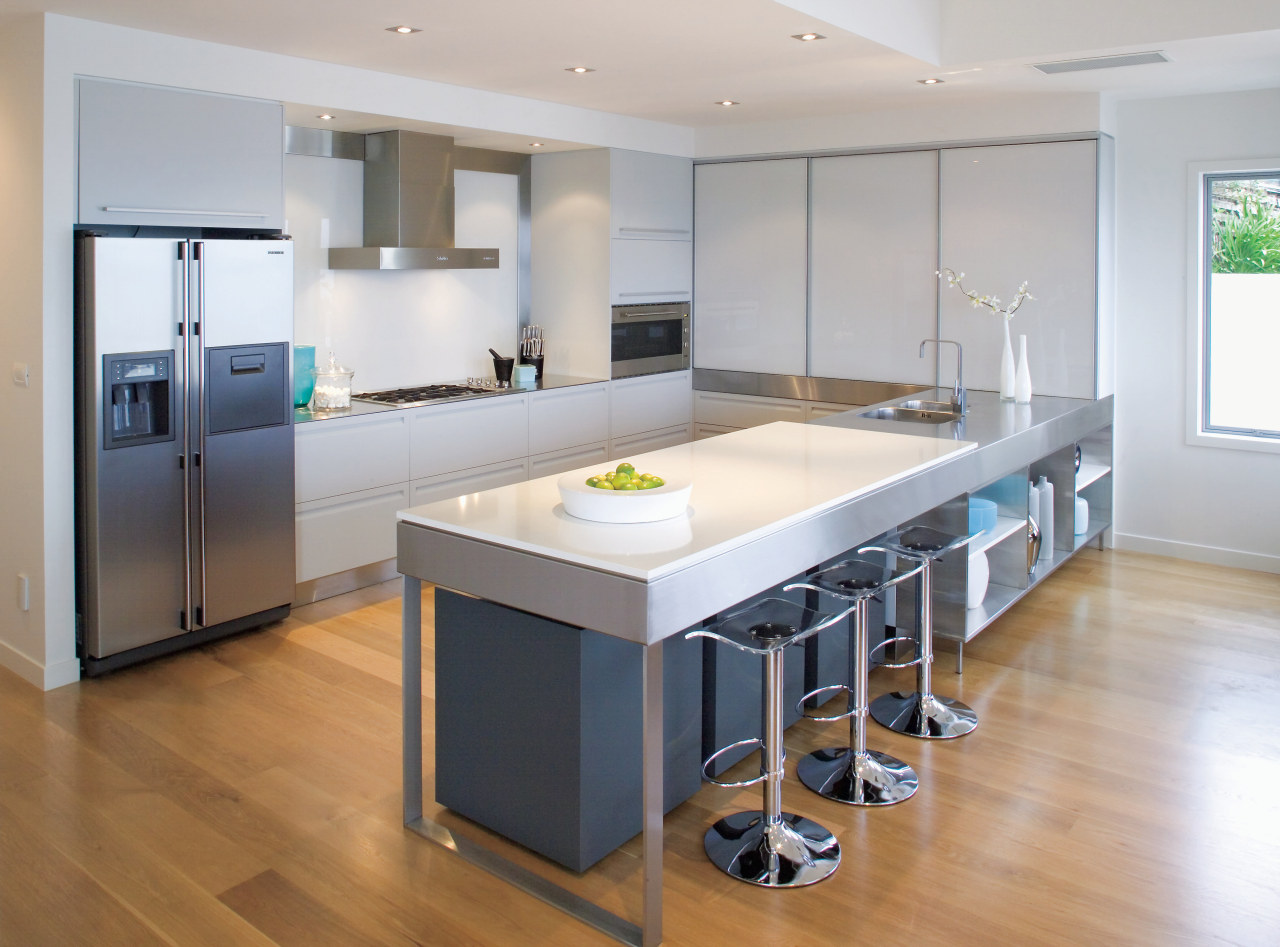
(1005, 527)
(1006, 544)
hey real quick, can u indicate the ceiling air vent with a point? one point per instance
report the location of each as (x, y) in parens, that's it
(1100, 62)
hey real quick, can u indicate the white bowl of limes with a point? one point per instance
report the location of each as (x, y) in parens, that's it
(623, 495)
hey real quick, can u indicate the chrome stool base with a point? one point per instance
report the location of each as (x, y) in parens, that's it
(869, 778)
(930, 717)
(790, 853)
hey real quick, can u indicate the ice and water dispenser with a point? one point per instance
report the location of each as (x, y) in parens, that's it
(138, 398)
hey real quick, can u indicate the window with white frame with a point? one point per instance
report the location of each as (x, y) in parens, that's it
(1236, 344)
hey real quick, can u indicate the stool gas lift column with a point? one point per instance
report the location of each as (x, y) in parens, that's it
(853, 774)
(767, 846)
(921, 713)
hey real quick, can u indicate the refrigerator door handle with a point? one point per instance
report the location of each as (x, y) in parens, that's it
(188, 623)
(197, 255)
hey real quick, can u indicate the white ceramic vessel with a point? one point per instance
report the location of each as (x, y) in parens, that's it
(623, 506)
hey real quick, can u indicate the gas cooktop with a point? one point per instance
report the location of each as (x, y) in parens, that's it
(411, 397)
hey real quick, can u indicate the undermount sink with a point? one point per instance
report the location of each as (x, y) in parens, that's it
(922, 412)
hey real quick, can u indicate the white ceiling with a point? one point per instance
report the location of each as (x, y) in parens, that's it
(671, 60)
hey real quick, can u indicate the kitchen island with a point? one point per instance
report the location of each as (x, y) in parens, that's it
(768, 503)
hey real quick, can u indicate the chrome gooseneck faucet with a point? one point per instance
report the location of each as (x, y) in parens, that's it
(959, 397)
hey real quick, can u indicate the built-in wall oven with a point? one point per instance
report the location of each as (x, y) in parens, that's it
(650, 338)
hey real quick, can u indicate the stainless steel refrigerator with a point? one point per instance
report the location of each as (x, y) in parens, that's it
(184, 442)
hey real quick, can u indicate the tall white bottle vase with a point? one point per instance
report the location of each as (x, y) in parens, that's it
(1007, 371)
(1022, 379)
(1045, 490)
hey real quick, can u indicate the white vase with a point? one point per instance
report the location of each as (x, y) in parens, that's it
(1022, 379)
(979, 576)
(1044, 491)
(1006, 366)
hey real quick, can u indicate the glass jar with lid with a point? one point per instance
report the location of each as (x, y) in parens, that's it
(333, 387)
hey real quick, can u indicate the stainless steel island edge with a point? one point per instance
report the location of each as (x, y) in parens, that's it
(1007, 436)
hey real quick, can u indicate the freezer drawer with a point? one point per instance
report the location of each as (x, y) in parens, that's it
(247, 386)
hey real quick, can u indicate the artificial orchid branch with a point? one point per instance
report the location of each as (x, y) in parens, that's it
(991, 302)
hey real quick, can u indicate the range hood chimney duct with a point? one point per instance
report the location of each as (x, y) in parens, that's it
(408, 208)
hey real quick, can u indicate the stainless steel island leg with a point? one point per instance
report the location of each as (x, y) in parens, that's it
(411, 697)
(652, 750)
(649, 932)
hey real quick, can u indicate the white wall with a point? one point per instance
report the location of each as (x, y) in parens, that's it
(33, 429)
(1197, 502)
(400, 328)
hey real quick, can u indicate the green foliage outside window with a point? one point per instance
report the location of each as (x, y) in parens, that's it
(1246, 238)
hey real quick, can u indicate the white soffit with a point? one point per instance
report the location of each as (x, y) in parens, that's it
(913, 27)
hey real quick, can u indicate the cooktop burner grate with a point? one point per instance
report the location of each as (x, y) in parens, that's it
(408, 397)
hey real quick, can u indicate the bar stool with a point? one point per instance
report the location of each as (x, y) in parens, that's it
(921, 713)
(767, 846)
(853, 774)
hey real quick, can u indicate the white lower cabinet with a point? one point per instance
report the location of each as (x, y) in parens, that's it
(568, 417)
(622, 447)
(701, 430)
(344, 455)
(724, 412)
(824, 409)
(558, 461)
(717, 413)
(472, 480)
(344, 532)
(448, 437)
(650, 403)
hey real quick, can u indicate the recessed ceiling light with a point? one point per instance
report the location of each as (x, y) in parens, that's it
(579, 69)
(403, 29)
(929, 81)
(807, 37)
(325, 116)
(535, 144)
(727, 102)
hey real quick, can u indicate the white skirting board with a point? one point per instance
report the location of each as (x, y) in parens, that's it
(44, 676)
(1214, 555)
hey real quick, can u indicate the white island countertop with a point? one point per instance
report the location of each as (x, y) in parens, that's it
(746, 485)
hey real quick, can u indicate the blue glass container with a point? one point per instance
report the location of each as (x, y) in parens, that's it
(304, 381)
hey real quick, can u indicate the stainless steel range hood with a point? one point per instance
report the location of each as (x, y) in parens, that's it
(408, 208)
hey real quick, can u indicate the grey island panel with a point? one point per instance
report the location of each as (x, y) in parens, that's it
(538, 728)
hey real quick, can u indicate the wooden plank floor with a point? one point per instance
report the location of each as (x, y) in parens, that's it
(1123, 788)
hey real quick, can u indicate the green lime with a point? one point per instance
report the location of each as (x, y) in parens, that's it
(604, 485)
(593, 481)
(627, 486)
(625, 468)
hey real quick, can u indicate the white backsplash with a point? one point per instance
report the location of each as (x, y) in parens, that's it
(396, 328)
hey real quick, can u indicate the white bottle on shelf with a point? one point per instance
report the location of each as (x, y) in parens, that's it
(1045, 490)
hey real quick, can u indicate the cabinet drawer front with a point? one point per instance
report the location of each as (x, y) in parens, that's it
(737, 411)
(556, 462)
(642, 271)
(567, 417)
(345, 532)
(445, 438)
(473, 480)
(650, 402)
(620, 448)
(348, 454)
